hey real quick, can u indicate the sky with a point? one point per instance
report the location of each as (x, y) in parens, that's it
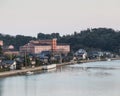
(29, 17)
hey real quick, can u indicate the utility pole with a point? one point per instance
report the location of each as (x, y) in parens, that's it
(26, 57)
(25, 60)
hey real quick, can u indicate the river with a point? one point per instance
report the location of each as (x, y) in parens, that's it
(88, 79)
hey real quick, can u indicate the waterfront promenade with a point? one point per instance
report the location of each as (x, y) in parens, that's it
(23, 71)
(19, 72)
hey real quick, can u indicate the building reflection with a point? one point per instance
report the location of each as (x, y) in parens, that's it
(29, 87)
(1, 86)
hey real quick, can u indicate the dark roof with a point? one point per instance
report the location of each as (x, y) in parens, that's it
(60, 44)
(43, 57)
(8, 62)
(40, 44)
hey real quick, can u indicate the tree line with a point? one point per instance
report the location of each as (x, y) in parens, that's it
(105, 39)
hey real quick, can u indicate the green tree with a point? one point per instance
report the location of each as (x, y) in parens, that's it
(1, 52)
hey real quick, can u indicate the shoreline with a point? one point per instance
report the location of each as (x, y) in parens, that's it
(40, 68)
(19, 72)
(23, 71)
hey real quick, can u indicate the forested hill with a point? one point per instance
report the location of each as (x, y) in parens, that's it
(90, 39)
(17, 41)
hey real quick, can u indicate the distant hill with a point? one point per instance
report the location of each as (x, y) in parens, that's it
(105, 39)
(17, 41)
(91, 39)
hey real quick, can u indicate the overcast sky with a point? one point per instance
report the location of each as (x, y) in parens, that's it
(29, 17)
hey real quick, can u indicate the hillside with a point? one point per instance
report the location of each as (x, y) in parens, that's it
(90, 39)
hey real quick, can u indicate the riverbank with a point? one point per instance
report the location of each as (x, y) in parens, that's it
(19, 72)
(35, 69)
(96, 60)
(99, 79)
(23, 71)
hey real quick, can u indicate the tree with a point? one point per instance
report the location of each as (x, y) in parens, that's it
(27, 62)
(105, 39)
(1, 52)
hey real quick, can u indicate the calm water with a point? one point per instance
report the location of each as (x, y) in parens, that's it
(90, 79)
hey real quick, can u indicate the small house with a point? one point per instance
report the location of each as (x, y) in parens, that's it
(11, 64)
(81, 54)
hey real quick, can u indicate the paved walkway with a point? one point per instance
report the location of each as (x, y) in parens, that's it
(17, 72)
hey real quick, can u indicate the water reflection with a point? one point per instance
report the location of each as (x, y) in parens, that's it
(87, 71)
(29, 90)
(89, 79)
(1, 86)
